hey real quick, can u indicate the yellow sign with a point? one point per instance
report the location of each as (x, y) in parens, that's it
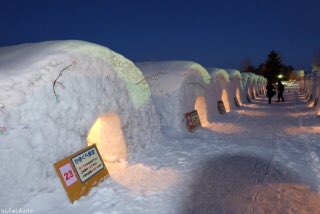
(81, 171)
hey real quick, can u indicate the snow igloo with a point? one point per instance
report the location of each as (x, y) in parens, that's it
(56, 98)
(220, 90)
(245, 88)
(262, 83)
(235, 88)
(252, 85)
(177, 87)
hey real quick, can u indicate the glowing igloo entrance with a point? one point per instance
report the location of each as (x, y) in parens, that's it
(201, 107)
(107, 134)
(139, 178)
(225, 99)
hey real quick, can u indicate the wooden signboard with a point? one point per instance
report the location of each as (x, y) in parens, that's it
(236, 102)
(221, 108)
(193, 120)
(81, 171)
(249, 98)
(315, 102)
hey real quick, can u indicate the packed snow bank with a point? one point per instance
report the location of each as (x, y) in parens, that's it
(177, 87)
(219, 86)
(52, 95)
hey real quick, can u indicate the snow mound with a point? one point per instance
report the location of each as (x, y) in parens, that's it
(51, 95)
(219, 92)
(233, 73)
(177, 87)
(235, 88)
(218, 73)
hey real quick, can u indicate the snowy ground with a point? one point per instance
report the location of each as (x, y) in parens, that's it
(260, 159)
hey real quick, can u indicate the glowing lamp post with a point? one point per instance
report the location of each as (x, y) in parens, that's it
(280, 76)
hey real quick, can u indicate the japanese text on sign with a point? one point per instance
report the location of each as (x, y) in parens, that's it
(87, 164)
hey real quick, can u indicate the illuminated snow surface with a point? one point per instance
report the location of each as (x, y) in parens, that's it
(259, 159)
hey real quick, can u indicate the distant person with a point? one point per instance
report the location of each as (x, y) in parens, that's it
(270, 91)
(280, 91)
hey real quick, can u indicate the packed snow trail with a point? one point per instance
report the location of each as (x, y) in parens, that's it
(260, 159)
(275, 172)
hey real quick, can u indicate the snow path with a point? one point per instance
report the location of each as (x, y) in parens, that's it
(260, 159)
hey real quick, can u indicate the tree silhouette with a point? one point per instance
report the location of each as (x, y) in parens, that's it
(272, 66)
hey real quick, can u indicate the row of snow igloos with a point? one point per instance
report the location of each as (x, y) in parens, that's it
(310, 87)
(178, 87)
(58, 97)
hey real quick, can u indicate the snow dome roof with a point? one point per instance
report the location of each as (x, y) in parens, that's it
(251, 77)
(233, 73)
(218, 73)
(171, 73)
(20, 65)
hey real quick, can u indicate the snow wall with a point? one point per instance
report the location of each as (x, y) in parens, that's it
(43, 122)
(235, 87)
(220, 91)
(177, 87)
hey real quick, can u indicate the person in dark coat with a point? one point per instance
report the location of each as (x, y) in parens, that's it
(280, 91)
(270, 91)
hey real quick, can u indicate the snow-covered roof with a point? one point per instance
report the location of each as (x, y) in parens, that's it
(233, 73)
(169, 75)
(218, 73)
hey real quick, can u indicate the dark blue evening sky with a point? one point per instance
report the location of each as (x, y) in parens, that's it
(213, 33)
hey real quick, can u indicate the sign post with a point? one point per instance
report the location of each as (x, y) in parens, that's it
(192, 119)
(81, 171)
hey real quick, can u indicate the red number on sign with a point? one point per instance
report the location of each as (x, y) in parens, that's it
(68, 175)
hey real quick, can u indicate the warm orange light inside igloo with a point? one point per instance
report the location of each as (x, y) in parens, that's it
(201, 108)
(107, 134)
(225, 100)
(238, 96)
